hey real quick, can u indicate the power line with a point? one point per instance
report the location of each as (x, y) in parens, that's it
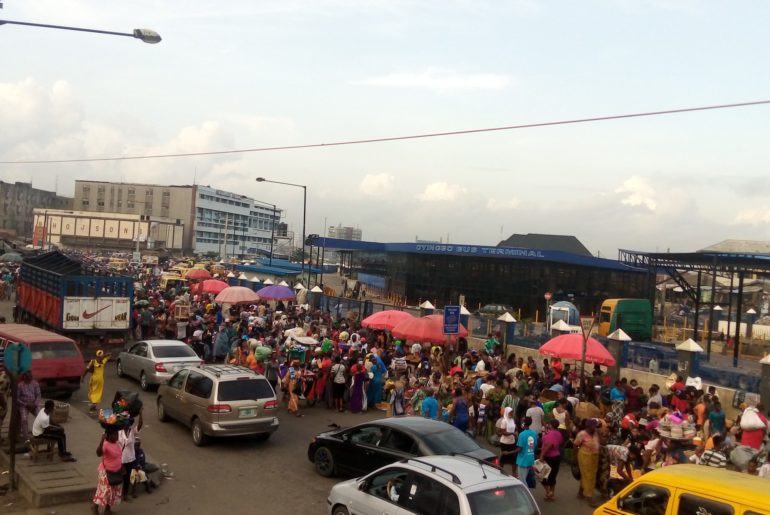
(396, 138)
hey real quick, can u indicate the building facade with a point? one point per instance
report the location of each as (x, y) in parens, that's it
(345, 233)
(18, 201)
(215, 221)
(95, 232)
(228, 224)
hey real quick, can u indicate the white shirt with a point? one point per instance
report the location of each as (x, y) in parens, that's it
(127, 441)
(42, 420)
(485, 388)
(506, 439)
(536, 414)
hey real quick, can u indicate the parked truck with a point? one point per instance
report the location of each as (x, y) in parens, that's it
(65, 295)
(634, 316)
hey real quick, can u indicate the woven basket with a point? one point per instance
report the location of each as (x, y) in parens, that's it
(61, 413)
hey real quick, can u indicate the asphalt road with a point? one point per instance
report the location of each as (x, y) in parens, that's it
(243, 475)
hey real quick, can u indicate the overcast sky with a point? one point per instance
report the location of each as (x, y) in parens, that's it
(258, 73)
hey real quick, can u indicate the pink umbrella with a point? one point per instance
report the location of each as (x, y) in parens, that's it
(198, 274)
(570, 346)
(429, 329)
(236, 295)
(211, 286)
(387, 319)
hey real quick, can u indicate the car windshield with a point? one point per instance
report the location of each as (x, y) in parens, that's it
(244, 389)
(174, 351)
(510, 500)
(449, 441)
(54, 350)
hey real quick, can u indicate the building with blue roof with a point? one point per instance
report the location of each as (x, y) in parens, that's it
(519, 276)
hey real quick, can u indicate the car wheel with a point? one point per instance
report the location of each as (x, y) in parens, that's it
(143, 384)
(199, 438)
(324, 462)
(339, 510)
(119, 365)
(162, 412)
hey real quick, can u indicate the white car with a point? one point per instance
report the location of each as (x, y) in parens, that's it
(153, 362)
(452, 485)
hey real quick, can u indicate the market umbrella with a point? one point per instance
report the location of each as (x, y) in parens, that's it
(198, 274)
(570, 346)
(429, 329)
(236, 295)
(299, 286)
(283, 283)
(277, 292)
(11, 257)
(268, 282)
(387, 319)
(211, 286)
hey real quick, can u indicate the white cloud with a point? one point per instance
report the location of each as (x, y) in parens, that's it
(441, 191)
(438, 80)
(752, 216)
(376, 184)
(638, 192)
(494, 204)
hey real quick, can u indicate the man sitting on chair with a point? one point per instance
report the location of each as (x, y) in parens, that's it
(43, 428)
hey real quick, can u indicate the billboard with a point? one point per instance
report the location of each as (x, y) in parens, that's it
(96, 313)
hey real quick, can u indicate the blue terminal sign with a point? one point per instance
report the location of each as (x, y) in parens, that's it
(451, 320)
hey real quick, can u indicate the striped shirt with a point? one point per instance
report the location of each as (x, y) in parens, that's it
(714, 458)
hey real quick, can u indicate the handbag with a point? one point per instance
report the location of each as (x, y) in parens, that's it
(542, 470)
(115, 478)
(575, 469)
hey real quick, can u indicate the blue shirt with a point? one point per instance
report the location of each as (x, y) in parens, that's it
(527, 442)
(430, 408)
(617, 395)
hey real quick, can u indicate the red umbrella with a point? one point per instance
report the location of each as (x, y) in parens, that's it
(429, 329)
(236, 295)
(198, 274)
(210, 286)
(387, 319)
(570, 346)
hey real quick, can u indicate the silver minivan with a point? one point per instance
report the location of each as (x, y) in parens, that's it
(219, 400)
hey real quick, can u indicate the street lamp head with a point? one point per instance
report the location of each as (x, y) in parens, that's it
(260, 179)
(147, 35)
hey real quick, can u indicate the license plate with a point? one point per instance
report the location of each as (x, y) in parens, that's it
(246, 413)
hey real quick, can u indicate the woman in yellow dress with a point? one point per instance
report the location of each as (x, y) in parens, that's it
(96, 384)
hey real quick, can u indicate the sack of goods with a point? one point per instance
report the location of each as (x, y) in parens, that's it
(750, 420)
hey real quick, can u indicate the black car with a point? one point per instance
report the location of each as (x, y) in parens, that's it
(366, 447)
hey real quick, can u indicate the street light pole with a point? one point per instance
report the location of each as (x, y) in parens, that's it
(146, 35)
(304, 219)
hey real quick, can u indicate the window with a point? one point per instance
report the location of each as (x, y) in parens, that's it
(85, 202)
(509, 500)
(54, 350)
(426, 496)
(244, 389)
(388, 484)
(694, 505)
(645, 500)
(177, 380)
(367, 435)
(140, 349)
(174, 351)
(451, 440)
(199, 385)
(398, 441)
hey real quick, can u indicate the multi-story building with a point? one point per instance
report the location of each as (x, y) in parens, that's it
(215, 221)
(345, 233)
(17, 202)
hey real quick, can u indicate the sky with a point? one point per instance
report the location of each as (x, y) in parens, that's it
(260, 73)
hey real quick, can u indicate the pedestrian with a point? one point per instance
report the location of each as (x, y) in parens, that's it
(397, 399)
(359, 377)
(127, 439)
(339, 380)
(42, 428)
(587, 444)
(551, 454)
(28, 395)
(506, 433)
(526, 445)
(717, 423)
(108, 494)
(271, 371)
(96, 383)
(293, 384)
(430, 408)
(5, 390)
(145, 322)
(458, 411)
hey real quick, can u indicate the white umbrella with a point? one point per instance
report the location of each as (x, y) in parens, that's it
(255, 279)
(464, 311)
(506, 317)
(231, 275)
(316, 289)
(243, 277)
(427, 305)
(283, 283)
(299, 286)
(268, 282)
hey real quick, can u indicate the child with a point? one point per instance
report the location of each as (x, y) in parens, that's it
(138, 475)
